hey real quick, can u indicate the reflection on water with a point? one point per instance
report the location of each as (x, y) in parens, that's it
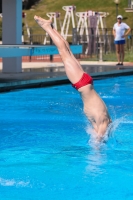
(50, 71)
(95, 160)
(87, 68)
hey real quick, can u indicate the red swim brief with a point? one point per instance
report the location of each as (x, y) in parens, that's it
(85, 80)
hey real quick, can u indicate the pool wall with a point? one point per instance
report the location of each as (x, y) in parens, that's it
(8, 84)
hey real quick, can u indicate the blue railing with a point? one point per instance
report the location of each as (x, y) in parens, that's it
(33, 50)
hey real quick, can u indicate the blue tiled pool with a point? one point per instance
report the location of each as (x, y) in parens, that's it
(45, 147)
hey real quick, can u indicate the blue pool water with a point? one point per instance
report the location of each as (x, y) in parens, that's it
(46, 152)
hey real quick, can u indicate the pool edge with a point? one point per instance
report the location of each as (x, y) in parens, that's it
(45, 82)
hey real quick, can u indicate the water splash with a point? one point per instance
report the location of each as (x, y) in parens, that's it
(12, 182)
(109, 135)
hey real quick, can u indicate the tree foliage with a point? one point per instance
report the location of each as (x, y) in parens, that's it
(27, 4)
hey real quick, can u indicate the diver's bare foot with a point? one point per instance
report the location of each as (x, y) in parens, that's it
(42, 22)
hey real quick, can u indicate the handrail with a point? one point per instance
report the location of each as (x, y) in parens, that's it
(33, 50)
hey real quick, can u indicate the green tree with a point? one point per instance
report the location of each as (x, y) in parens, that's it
(27, 4)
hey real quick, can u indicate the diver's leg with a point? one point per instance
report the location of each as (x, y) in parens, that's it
(72, 67)
(66, 43)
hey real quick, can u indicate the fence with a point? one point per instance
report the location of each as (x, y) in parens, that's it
(99, 44)
(91, 49)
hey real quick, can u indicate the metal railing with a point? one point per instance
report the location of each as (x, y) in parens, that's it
(95, 45)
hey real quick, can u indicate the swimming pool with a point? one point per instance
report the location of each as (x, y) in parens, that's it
(46, 151)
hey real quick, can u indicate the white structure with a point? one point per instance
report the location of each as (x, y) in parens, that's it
(82, 25)
(12, 32)
(68, 20)
(101, 23)
(69, 17)
(83, 22)
(86, 21)
(26, 25)
(53, 16)
(130, 6)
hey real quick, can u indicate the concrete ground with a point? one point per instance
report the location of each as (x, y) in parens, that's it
(31, 69)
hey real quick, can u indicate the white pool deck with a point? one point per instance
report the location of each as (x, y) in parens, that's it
(58, 64)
